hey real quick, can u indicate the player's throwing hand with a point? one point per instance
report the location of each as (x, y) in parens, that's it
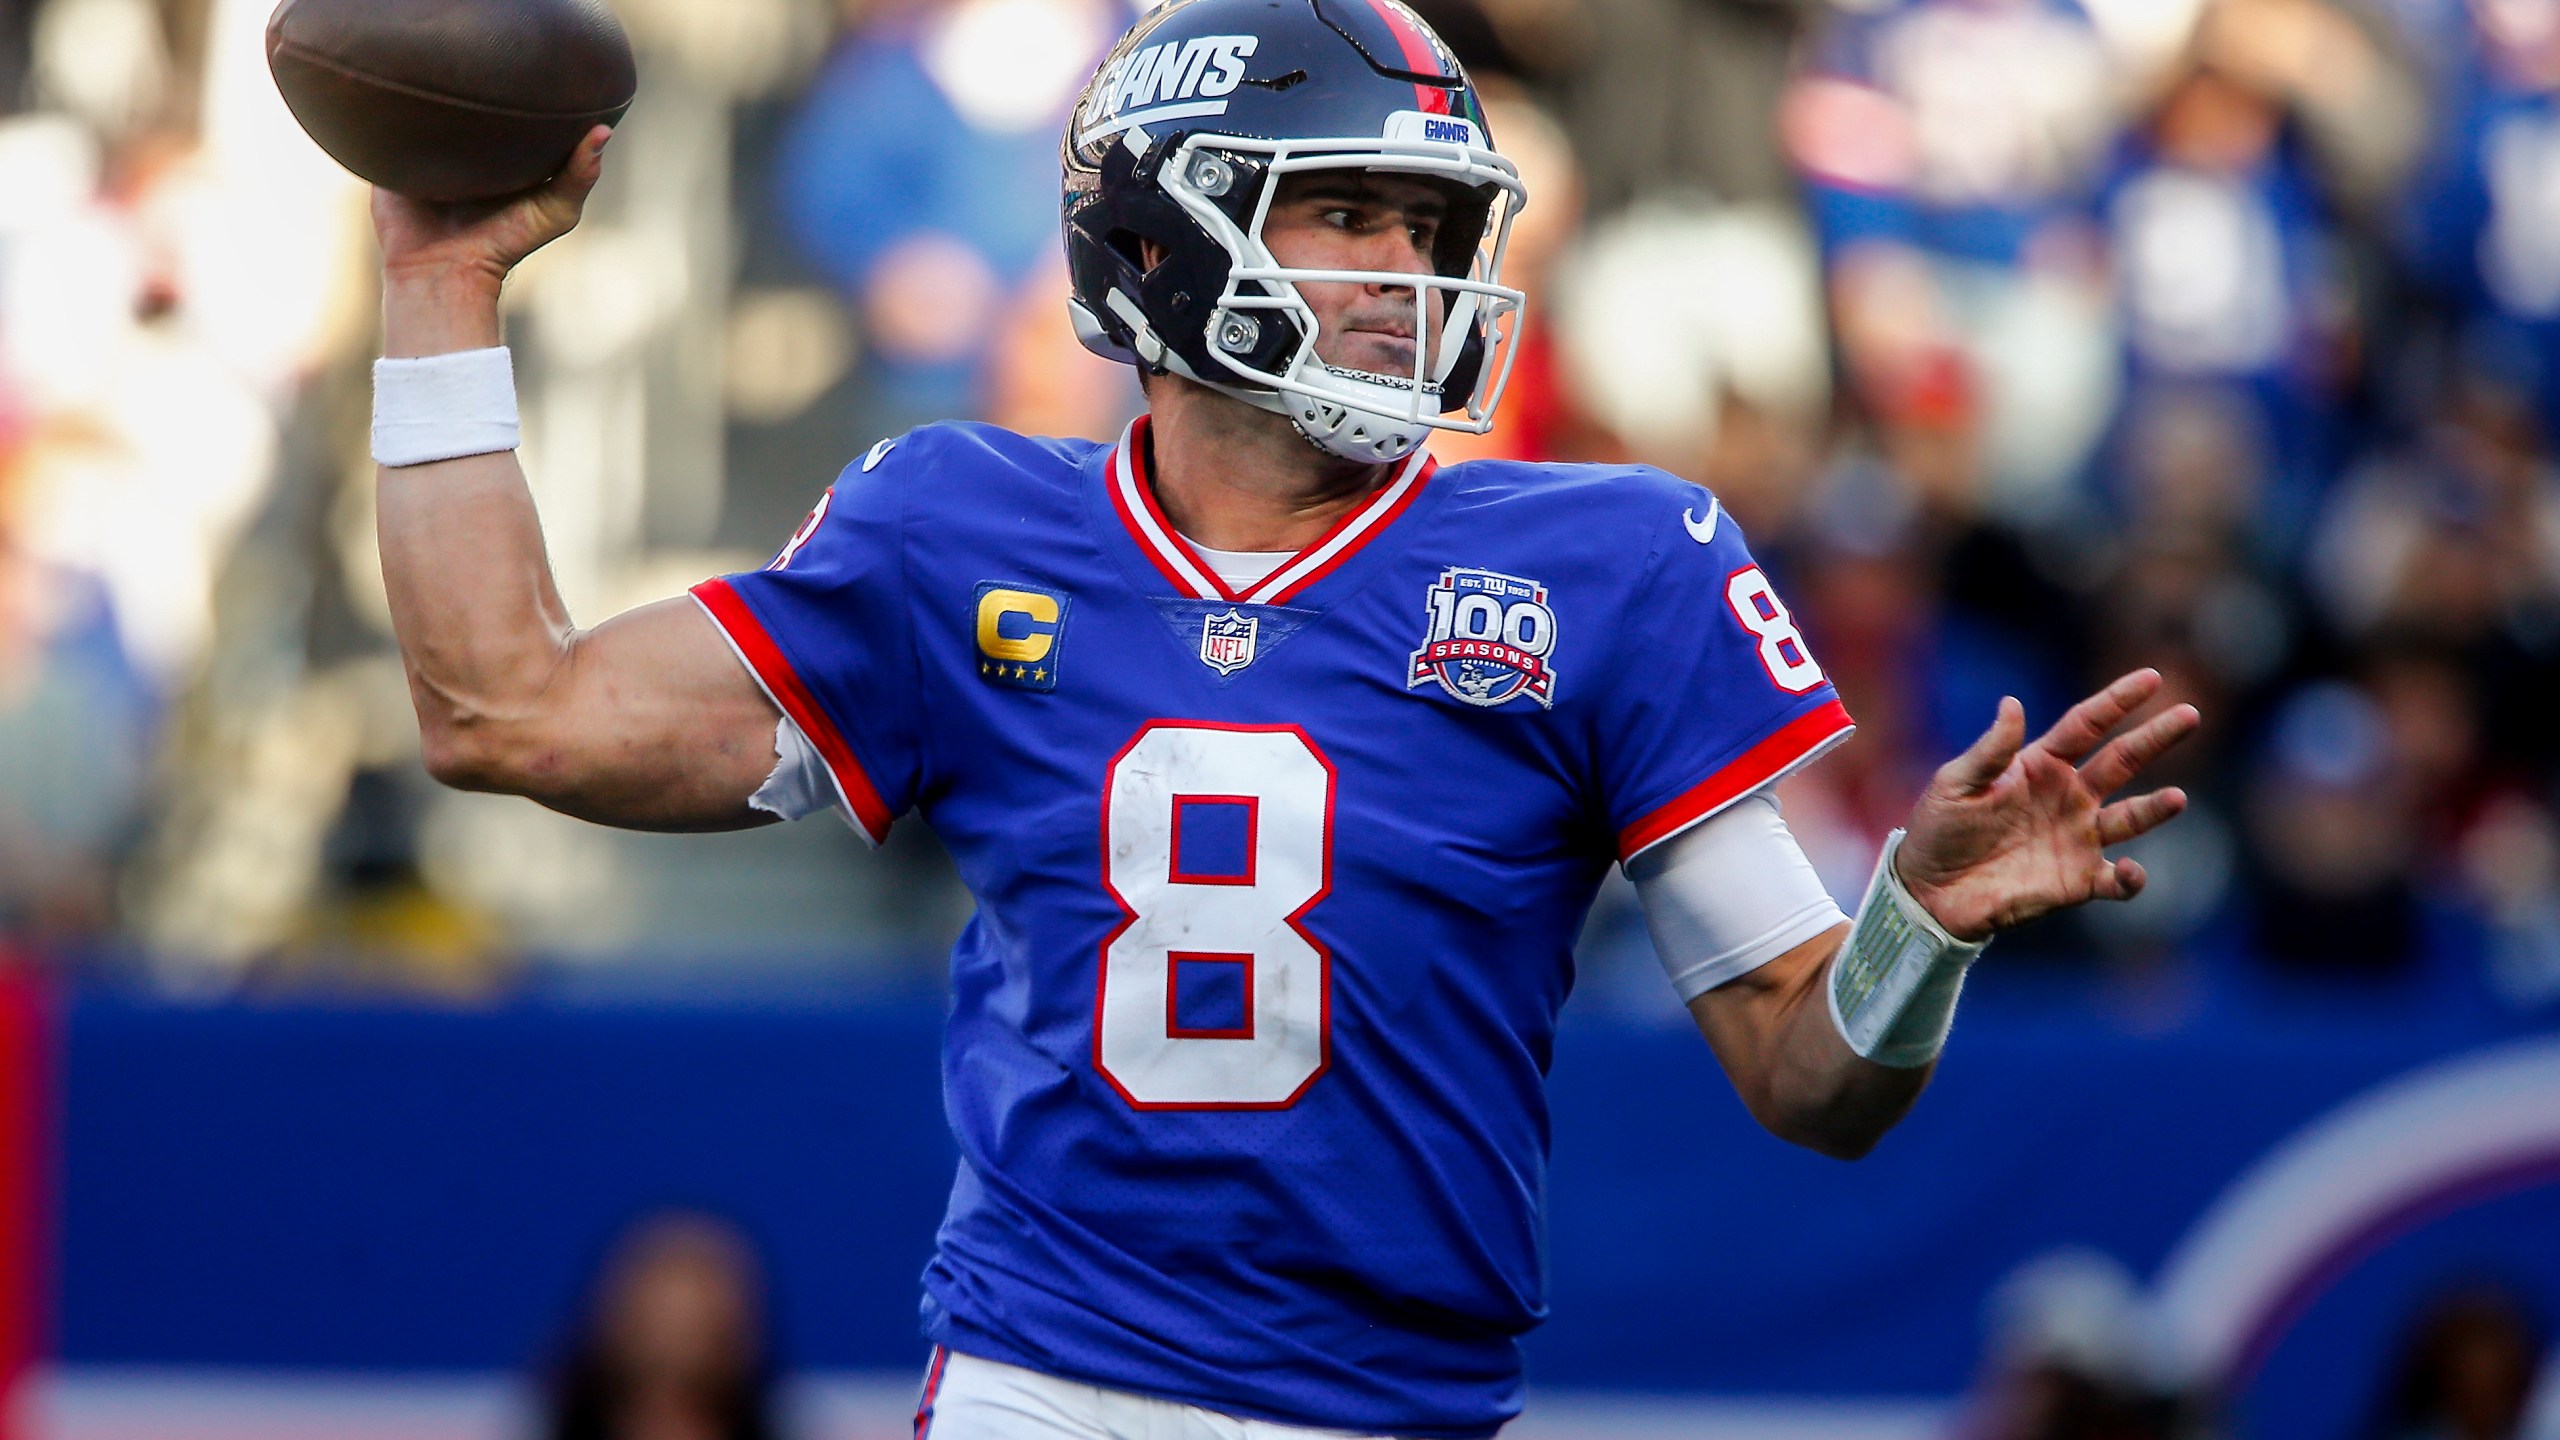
(2009, 831)
(485, 240)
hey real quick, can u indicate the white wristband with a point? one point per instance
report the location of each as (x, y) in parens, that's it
(443, 407)
(1894, 983)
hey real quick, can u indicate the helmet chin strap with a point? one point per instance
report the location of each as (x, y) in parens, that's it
(1354, 432)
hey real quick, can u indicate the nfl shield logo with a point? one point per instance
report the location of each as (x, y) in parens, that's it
(1226, 641)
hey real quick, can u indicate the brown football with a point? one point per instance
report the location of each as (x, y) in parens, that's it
(451, 99)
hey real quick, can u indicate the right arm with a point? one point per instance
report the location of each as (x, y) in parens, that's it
(647, 721)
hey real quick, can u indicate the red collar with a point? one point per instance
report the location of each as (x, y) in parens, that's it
(1133, 494)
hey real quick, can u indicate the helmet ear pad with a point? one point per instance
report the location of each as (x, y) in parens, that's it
(1179, 294)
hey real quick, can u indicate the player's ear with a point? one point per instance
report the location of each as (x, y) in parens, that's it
(1151, 254)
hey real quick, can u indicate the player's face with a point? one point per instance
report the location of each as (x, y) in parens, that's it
(1355, 220)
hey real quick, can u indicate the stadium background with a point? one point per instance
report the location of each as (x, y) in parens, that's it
(2029, 339)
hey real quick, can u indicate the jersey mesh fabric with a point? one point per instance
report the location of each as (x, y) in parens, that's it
(1363, 1253)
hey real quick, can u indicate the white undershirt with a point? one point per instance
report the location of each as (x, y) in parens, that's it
(1240, 570)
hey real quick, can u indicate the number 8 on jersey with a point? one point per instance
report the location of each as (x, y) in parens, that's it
(1243, 920)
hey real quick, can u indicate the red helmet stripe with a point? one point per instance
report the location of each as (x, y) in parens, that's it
(1420, 57)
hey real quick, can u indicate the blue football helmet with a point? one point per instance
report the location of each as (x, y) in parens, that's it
(1181, 139)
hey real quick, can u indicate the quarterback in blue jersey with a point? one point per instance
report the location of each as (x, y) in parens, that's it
(1282, 763)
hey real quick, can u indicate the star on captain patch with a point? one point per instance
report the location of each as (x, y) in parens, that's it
(1226, 641)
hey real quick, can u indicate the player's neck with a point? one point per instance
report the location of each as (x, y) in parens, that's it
(1232, 477)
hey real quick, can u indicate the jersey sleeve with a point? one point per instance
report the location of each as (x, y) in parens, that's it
(826, 629)
(1715, 693)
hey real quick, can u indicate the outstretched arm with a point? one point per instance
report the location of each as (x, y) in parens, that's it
(2006, 833)
(647, 721)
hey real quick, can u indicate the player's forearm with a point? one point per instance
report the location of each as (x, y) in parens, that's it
(481, 628)
(1828, 1097)
(1799, 1078)
(480, 624)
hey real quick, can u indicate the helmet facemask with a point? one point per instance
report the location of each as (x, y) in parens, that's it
(1264, 335)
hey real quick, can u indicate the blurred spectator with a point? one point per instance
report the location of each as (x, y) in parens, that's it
(673, 1346)
(1690, 336)
(17, 19)
(2231, 272)
(921, 177)
(2483, 222)
(2465, 1371)
(2478, 480)
(76, 724)
(1667, 95)
(2511, 867)
(2174, 590)
(2072, 1358)
(1040, 380)
(2184, 588)
(1949, 149)
(2333, 839)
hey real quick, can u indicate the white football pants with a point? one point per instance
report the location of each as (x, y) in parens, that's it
(966, 1398)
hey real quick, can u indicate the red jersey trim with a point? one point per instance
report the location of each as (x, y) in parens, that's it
(1348, 535)
(1789, 747)
(764, 660)
(1133, 496)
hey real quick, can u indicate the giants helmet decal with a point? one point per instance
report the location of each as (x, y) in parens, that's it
(1180, 140)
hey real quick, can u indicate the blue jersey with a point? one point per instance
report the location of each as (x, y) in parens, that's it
(1276, 891)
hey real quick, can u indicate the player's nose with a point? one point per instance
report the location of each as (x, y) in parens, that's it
(1395, 263)
(1393, 251)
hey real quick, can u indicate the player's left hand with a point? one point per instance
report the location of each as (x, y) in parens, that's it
(2008, 831)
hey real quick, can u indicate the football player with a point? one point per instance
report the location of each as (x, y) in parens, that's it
(1282, 764)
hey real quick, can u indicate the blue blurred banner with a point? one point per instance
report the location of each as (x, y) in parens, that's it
(350, 1187)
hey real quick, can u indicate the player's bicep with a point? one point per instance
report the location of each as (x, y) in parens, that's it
(659, 727)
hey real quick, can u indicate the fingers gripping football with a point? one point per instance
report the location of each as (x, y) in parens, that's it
(486, 239)
(2011, 830)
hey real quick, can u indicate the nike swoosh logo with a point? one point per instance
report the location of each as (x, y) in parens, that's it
(1703, 531)
(881, 451)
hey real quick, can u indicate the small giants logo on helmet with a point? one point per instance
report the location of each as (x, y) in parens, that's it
(1437, 129)
(1176, 80)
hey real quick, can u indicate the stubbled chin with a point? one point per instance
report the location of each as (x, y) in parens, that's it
(1379, 355)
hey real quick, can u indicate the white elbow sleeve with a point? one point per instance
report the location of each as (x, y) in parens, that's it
(1729, 895)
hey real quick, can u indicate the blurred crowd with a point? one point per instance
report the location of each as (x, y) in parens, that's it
(2074, 1354)
(674, 1341)
(2029, 340)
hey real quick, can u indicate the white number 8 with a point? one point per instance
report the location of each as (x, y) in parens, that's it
(1246, 921)
(1782, 648)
